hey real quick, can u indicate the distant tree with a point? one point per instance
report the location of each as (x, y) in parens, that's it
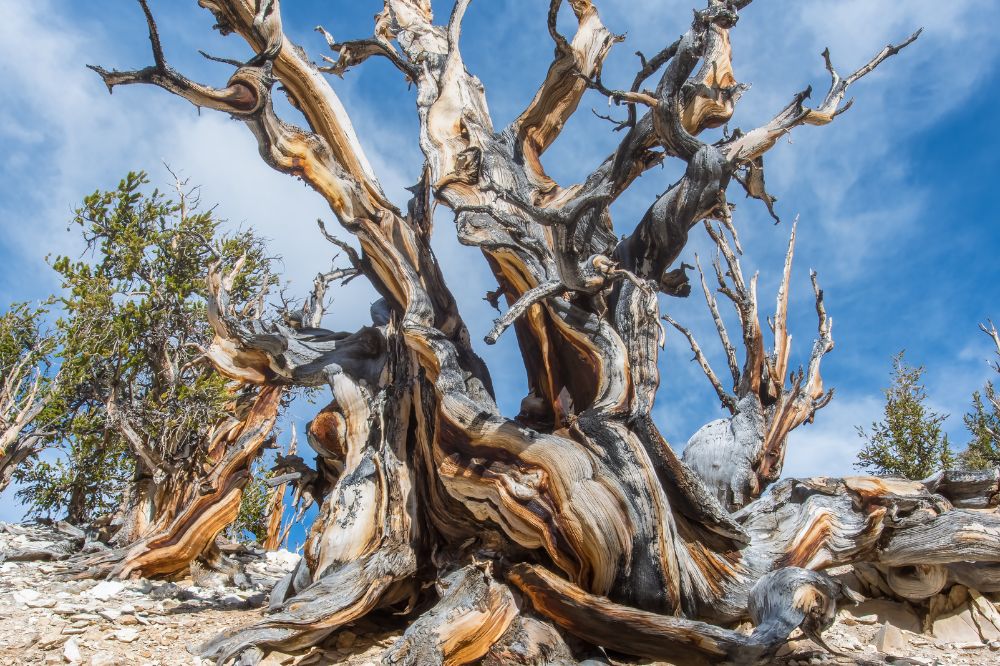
(252, 521)
(27, 385)
(908, 442)
(142, 404)
(983, 422)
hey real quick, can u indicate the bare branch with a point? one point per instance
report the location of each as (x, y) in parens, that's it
(521, 305)
(783, 341)
(355, 52)
(758, 141)
(727, 400)
(154, 37)
(992, 332)
(720, 326)
(560, 93)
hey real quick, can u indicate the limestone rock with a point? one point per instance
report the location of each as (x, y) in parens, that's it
(110, 614)
(126, 635)
(956, 626)
(105, 590)
(283, 558)
(24, 596)
(985, 615)
(71, 652)
(40, 602)
(877, 611)
(891, 640)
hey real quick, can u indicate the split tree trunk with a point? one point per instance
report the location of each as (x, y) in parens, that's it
(579, 506)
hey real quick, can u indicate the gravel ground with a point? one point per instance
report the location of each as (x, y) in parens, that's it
(47, 619)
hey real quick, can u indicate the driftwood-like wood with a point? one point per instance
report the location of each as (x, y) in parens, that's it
(740, 456)
(574, 518)
(275, 511)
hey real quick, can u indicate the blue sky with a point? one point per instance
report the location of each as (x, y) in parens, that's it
(896, 198)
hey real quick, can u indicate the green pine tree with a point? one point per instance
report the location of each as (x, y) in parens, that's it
(132, 332)
(908, 442)
(251, 523)
(983, 424)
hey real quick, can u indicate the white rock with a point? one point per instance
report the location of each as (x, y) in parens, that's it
(105, 590)
(87, 617)
(126, 635)
(957, 626)
(890, 640)
(71, 652)
(41, 602)
(53, 638)
(24, 596)
(110, 614)
(877, 611)
(103, 659)
(851, 643)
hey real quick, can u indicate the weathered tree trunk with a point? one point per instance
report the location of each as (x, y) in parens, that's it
(173, 519)
(24, 393)
(578, 503)
(13, 455)
(740, 456)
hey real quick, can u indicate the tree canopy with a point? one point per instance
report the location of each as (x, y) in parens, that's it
(138, 394)
(909, 442)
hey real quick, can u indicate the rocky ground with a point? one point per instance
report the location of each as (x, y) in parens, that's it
(47, 619)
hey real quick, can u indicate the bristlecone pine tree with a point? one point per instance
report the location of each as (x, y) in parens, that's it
(909, 443)
(27, 386)
(983, 422)
(519, 540)
(151, 436)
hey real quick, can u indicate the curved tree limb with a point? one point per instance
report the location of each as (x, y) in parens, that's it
(429, 474)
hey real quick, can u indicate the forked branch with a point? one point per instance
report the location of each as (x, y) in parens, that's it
(764, 407)
(758, 141)
(990, 329)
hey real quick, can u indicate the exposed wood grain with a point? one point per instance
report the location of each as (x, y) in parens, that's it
(427, 488)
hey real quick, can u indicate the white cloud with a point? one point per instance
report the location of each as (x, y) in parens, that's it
(830, 446)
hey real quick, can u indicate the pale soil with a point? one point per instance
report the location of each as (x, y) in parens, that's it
(46, 619)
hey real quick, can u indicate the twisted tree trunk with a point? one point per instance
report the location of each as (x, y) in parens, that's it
(172, 519)
(576, 517)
